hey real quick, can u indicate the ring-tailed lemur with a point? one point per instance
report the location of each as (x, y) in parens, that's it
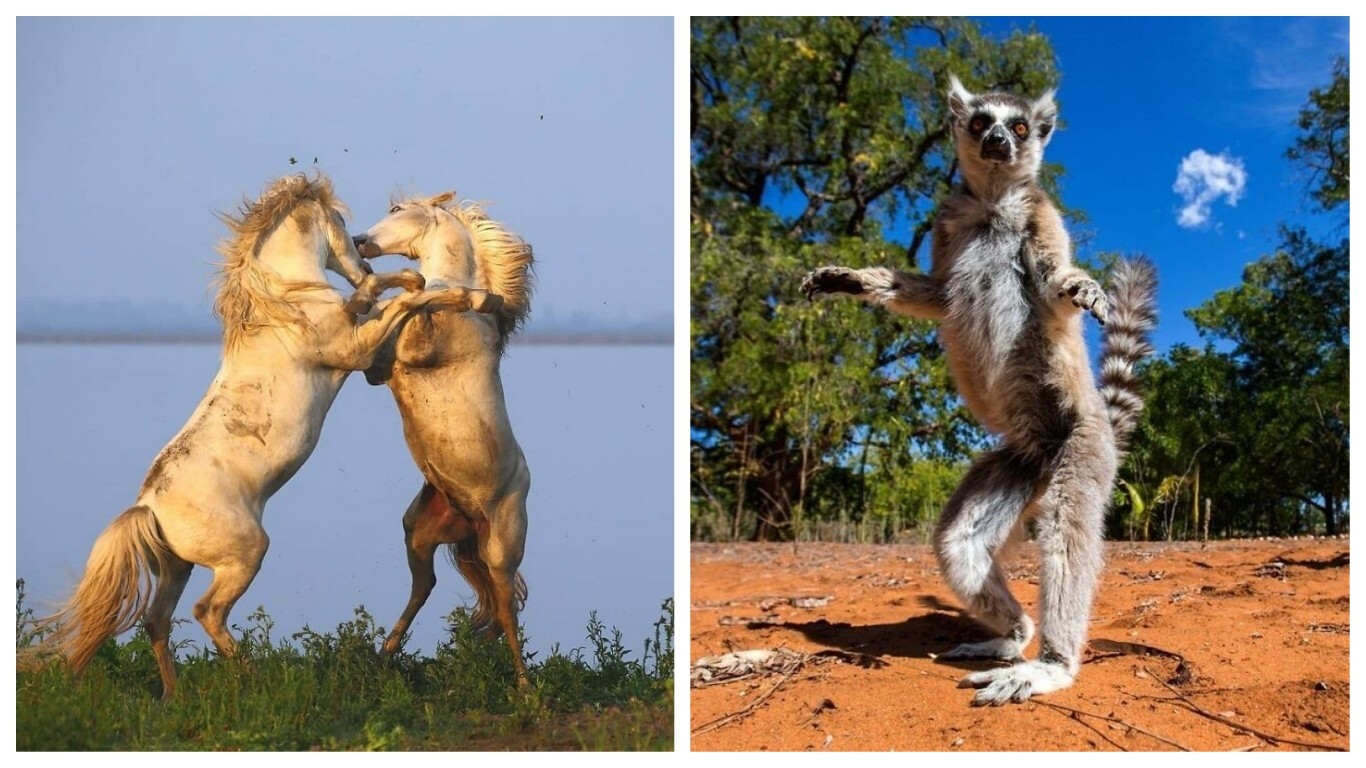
(1010, 302)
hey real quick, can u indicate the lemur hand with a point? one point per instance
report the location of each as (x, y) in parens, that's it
(1087, 294)
(827, 280)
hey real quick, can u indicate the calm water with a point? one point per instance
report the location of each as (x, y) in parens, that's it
(594, 423)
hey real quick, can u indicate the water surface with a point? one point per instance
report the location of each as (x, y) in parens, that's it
(593, 421)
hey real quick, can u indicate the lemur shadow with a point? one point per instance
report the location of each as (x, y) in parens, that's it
(936, 632)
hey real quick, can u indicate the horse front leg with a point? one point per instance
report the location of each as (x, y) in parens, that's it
(343, 344)
(374, 285)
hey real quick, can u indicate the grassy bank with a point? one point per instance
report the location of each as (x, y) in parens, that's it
(335, 691)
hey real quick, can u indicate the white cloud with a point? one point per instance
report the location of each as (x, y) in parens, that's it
(1201, 179)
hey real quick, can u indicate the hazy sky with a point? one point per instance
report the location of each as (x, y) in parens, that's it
(130, 132)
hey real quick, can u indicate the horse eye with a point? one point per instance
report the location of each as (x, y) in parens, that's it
(395, 209)
(1021, 130)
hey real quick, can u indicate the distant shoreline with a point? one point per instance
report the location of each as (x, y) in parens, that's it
(530, 338)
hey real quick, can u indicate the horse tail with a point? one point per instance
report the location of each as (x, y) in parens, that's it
(114, 592)
(465, 555)
(1133, 314)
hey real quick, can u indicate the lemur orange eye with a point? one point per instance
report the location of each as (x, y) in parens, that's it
(977, 124)
(1020, 129)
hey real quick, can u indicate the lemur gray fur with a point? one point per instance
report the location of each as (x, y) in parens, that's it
(1009, 302)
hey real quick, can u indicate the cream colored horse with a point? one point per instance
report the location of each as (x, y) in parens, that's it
(288, 346)
(445, 379)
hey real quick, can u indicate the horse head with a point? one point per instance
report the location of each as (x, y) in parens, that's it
(457, 245)
(408, 226)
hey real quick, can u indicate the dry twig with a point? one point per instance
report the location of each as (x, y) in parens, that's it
(745, 664)
(1126, 724)
(734, 717)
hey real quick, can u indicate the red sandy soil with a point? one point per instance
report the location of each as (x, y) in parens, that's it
(1261, 629)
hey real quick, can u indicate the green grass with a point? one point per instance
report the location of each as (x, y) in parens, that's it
(335, 691)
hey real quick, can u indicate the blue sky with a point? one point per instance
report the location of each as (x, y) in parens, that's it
(1138, 96)
(130, 132)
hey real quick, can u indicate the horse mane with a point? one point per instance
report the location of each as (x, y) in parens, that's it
(245, 302)
(504, 259)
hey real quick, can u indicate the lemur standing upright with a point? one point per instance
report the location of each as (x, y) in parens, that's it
(1010, 302)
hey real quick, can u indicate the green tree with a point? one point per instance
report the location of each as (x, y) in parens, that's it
(1324, 147)
(1190, 400)
(1288, 324)
(818, 141)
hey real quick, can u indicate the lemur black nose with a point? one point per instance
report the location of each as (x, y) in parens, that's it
(995, 137)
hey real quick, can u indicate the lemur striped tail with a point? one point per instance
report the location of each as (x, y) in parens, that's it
(1133, 313)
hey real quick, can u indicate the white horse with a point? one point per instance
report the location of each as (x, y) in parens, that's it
(288, 346)
(443, 371)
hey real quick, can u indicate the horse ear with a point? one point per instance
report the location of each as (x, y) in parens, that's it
(444, 197)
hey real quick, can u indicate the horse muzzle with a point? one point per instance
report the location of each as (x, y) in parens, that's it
(366, 248)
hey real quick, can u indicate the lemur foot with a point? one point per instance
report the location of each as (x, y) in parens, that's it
(1017, 682)
(1087, 294)
(1002, 648)
(828, 280)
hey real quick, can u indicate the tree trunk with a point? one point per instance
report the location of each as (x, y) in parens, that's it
(778, 471)
(774, 515)
(1195, 506)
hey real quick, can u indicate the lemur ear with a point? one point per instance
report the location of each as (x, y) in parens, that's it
(1045, 115)
(444, 197)
(959, 99)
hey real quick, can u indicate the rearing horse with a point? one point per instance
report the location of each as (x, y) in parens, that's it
(288, 345)
(443, 371)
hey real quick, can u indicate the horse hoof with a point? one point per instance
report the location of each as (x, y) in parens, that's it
(488, 303)
(358, 305)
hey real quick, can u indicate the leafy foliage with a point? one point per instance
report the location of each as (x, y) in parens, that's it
(1261, 411)
(1325, 146)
